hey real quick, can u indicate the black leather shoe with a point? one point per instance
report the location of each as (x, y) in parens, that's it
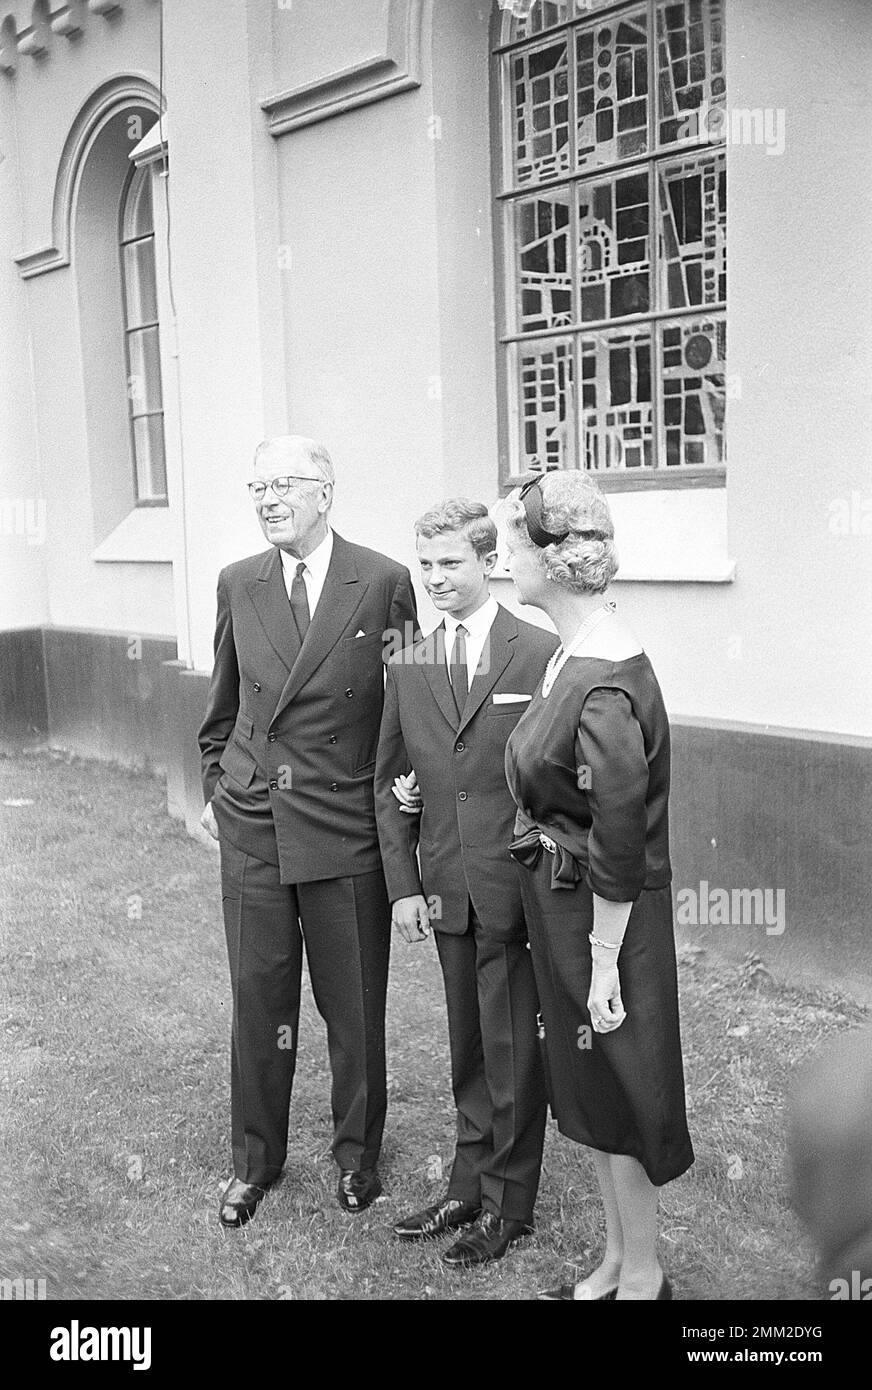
(449, 1215)
(487, 1240)
(358, 1188)
(565, 1293)
(239, 1203)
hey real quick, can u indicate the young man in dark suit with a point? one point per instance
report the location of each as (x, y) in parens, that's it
(288, 748)
(451, 701)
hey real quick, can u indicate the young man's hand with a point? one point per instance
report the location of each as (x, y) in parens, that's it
(411, 918)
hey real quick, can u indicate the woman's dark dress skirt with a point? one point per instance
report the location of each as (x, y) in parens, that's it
(619, 1092)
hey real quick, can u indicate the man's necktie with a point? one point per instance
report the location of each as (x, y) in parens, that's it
(300, 601)
(458, 672)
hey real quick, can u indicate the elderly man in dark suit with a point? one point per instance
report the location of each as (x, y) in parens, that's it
(451, 701)
(288, 748)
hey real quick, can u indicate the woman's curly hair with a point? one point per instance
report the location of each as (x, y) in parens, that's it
(572, 503)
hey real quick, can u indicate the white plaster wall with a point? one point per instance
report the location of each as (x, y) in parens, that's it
(790, 642)
(787, 642)
(338, 281)
(226, 281)
(23, 592)
(46, 96)
(362, 310)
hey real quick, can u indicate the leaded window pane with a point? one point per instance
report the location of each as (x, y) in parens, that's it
(148, 448)
(144, 386)
(694, 392)
(693, 223)
(547, 405)
(532, 16)
(614, 269)
(541, 113)
(612, 82)
(690, 65)
(140, 283)
(544, 273)
(617, 423)
(139, 210)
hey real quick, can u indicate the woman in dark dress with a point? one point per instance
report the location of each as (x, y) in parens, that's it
(588, 766)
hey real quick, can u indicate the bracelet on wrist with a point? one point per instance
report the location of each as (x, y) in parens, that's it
(606, 945)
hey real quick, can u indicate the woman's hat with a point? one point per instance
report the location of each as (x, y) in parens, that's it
(591, 517)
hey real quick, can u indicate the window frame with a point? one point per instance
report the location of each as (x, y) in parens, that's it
(141, 174)
(659, 477)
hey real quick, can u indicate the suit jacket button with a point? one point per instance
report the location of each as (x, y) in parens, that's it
(461, 796)
(256, 687)
(459, 747)
(349, 694)
(332, 738)
(273, 786)
(271, 738)
(334, 786)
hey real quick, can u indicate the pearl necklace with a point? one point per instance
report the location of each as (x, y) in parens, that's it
(562, 655)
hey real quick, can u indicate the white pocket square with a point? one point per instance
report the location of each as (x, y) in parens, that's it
(360, 633)
(511, 699)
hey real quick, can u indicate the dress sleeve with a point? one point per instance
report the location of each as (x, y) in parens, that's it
(612, 767)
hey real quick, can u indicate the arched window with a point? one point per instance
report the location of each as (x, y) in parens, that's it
(142, 340)
(611, 209)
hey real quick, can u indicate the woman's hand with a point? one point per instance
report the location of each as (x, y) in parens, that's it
(604, 1000)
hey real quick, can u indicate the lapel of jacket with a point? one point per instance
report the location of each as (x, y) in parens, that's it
(436, 673)
(270, 598)
(342, 593)
(495, 657)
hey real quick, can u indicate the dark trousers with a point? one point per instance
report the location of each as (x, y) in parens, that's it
(345, 925)
(496, 1071)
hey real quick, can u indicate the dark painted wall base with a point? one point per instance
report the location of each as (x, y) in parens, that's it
(787, 813)
(24, 717)
(92, 693)
(774, 826)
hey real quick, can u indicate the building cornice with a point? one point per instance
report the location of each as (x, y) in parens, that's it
(33, 38)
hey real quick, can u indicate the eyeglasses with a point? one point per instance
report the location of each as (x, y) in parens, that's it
(280, 486)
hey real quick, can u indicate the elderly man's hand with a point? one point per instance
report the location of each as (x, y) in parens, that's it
(405, 789)
(208, 821)
(411, 918)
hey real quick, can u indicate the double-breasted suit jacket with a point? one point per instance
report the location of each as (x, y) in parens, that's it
(290, 732)
(289, 745)
(468, 816)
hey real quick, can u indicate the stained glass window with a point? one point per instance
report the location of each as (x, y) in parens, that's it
(613, 196)
(612, 89)
(546, 371)
(532, 16)
(541, 113)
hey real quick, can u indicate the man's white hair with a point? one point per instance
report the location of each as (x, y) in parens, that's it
(299, 443)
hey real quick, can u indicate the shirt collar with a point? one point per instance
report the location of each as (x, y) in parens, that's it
(316, 562)
(479, 623)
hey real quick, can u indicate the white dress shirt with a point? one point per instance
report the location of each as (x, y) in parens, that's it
(478, 626)
(315, 571)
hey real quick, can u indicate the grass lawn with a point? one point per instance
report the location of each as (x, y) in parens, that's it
(114, 1092)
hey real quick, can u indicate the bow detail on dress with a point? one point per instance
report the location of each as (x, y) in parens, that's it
(529, 848)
